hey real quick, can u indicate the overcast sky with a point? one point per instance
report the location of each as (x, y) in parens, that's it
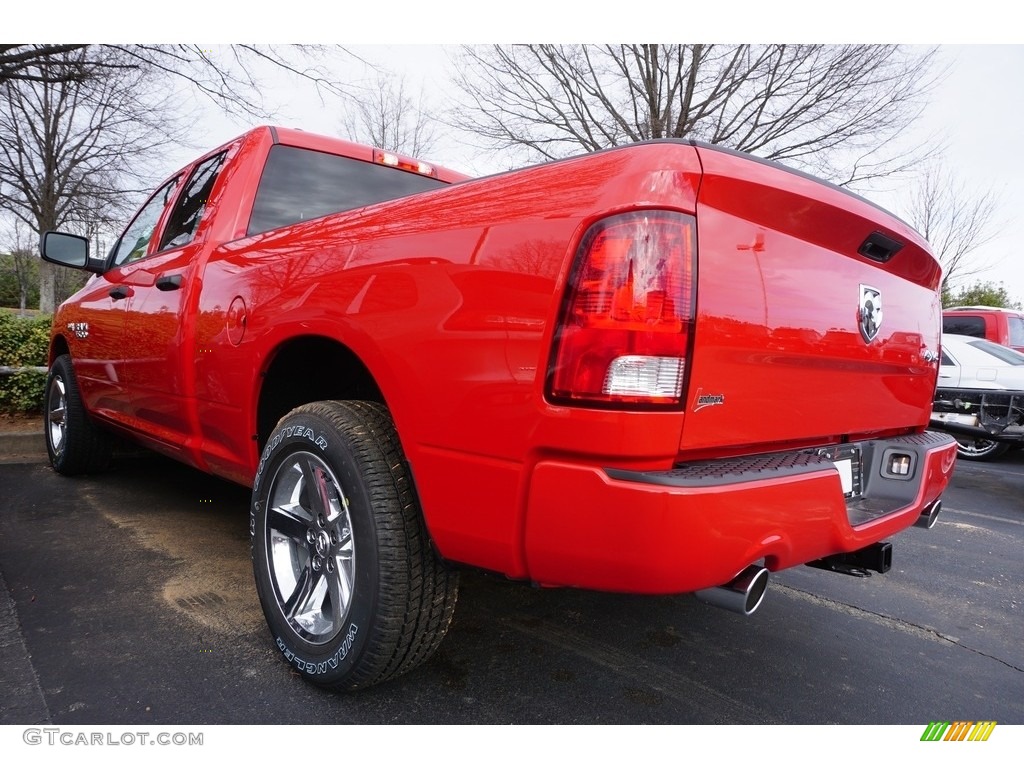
(979, 108)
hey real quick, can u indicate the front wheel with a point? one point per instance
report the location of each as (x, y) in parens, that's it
(74, 443)
(351, 588)
(980, 449)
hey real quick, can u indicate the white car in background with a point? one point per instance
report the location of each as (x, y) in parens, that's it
(980, 396)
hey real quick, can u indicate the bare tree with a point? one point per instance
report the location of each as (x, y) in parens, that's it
(389, 117)
(40, 63)
(70, 150)
(955, 221)
(836, 110)
(228, 75)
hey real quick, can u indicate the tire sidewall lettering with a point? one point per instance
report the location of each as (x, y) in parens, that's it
(285, 433)
(297, 432)
(319, 667)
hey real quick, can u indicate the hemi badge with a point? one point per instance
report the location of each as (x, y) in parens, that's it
(81, 330)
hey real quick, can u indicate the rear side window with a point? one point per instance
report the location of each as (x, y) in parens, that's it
(184, 219)
(1016, 331)
(301, 184)
(965, 326)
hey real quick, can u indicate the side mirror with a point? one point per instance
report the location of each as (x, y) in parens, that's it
(67, 251)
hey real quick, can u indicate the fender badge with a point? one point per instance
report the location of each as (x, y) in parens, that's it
(81, 330)
(870, 312)
(705, 401)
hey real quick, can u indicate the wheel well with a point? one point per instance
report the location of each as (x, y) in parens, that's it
(58, 347)
(306, 370)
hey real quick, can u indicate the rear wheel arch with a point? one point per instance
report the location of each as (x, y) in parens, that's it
(308, 369)
(315, 369)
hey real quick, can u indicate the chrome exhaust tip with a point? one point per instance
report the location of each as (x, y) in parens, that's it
(929, 515)
(744, 594)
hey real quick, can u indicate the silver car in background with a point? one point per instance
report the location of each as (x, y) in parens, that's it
(980, 397)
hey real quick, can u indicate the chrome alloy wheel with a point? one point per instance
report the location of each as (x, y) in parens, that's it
(310, 551)
(56, 415)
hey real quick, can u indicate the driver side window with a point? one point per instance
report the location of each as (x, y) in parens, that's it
(135, 241)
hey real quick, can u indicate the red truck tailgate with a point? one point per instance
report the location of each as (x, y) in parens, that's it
(817, 314)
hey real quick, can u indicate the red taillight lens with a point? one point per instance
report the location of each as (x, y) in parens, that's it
(624, 330)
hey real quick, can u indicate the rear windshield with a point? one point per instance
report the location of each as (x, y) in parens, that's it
(302, 184)
(964, 326)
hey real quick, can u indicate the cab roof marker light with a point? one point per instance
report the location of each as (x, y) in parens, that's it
(383, 157)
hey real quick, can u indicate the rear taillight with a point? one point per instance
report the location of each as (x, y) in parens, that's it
(624, 329)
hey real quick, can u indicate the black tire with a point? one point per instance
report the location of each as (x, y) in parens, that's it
(350, 585)
(980, 450)
(74, 443)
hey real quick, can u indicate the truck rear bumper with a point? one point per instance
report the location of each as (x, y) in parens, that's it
(699, 525)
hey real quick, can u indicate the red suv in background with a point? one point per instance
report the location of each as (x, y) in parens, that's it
(1003, 326)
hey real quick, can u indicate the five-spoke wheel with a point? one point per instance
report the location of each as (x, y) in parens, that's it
(350, 585)
(310, 547)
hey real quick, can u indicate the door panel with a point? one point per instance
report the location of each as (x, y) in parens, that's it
(159, 365)
(97, 348)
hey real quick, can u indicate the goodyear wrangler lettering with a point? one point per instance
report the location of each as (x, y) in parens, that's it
(298, 431)
(322, 667)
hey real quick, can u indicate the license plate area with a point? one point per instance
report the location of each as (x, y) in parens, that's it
(847, 461)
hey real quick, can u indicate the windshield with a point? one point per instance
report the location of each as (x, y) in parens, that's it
(1007, 355)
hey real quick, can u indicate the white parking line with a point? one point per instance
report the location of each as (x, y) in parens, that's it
(1013, 470)
(979, 514)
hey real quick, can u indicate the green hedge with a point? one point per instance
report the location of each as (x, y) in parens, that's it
(24, 341)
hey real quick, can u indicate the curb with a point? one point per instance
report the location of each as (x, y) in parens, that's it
(22, 445)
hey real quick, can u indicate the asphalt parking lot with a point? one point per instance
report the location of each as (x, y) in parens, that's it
(127, 598)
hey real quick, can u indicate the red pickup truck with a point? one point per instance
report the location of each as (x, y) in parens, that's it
(660, 368)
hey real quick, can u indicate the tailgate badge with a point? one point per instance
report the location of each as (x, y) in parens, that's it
(702, 401)
(870, 312)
